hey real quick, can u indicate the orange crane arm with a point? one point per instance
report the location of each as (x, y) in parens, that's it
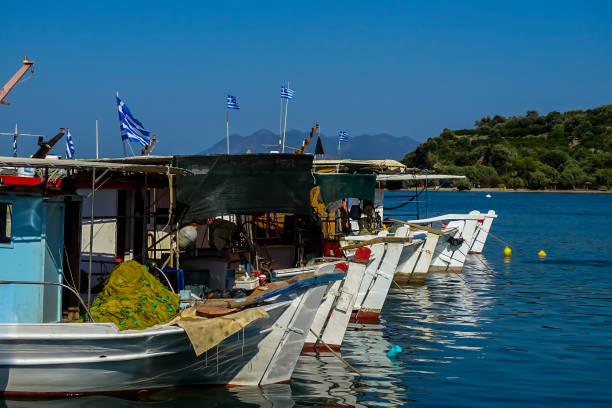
(305, 143)
(8, 87)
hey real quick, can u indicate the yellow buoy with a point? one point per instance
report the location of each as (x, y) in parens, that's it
(507, 252)
(541, 253)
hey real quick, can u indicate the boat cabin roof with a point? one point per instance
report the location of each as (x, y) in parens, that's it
(6, 161)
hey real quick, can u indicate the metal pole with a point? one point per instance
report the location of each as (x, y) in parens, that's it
(416, 196)
(285, 130)
(280, 127)
(97, 157)
(426, 199)
(121, 129)
(146, 217)
(91, 235)
(227, 126)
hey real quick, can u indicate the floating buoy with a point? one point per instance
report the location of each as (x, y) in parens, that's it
(394, 351)
(507, 252)
(488, 196)
(541, 254)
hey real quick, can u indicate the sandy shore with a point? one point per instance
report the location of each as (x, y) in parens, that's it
(524, 190)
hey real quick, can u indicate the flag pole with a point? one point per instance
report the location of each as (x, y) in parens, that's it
(338, 147)
(280, 125)
(121, 129)
(227, 127)
(15, 141)
(285, 130)
(97, 139)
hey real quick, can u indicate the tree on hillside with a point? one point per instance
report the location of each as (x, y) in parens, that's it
(447, 134)
(603, 177)
(572, 176)
(500, 157)
(538, 180)
(583, 130)
(568, 148)
(554, 117)
(554, 158)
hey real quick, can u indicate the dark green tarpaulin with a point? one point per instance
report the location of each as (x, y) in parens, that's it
(335, 187)
(244, 184)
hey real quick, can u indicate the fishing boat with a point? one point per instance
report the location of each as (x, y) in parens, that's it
(333, 315)
(40, 354)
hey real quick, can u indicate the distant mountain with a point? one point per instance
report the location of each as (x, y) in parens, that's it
(381, 146)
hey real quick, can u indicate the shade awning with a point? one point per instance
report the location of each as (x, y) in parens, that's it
(244, 184)
(335, 187)
(416, 177)
(6, 161)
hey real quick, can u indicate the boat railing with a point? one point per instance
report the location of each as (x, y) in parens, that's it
(74, 292)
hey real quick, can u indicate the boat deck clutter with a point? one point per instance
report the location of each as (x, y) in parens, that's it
(133, 299)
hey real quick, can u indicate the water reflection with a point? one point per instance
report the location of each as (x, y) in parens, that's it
(366, 349)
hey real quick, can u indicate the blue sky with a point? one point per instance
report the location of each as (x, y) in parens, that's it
(404, 68)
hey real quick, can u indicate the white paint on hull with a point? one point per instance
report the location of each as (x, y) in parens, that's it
(376, 256)
(341, 313)
(284, 360)
(482, 233)
(96, 357)
(375, 297)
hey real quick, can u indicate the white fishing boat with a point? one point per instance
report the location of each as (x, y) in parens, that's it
(333, 315)
(373, 292)
(40, 355)
(54, 359)
(465, 233)
(81, 358)
(482, 232)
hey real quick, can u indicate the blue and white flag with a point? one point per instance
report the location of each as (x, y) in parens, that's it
(231, 102)
(286, 93)
(343, 136)
(131, 128)
(15, 146)
(69, 146)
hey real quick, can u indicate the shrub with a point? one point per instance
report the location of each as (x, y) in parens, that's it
(516, 182)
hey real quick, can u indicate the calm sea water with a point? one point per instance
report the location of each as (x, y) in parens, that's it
(528, 331)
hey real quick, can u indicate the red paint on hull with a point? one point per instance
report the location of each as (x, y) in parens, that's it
(365, 317)
(133, 395)
(318, 348)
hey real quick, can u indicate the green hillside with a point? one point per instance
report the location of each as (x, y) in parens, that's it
(559, 150)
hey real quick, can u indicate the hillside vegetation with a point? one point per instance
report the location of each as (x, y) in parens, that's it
(559, 150)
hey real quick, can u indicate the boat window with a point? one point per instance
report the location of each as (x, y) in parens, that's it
(6, 214)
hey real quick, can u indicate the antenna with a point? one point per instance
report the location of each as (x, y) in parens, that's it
(16, 134)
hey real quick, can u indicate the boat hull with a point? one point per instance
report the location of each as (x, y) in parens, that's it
(88, 358)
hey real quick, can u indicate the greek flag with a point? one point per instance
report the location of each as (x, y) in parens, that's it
(69, 146)
(231, 102)
(15, 146)
(286, 93)
(131, 128)
(343, 136)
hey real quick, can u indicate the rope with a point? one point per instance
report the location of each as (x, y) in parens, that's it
(74, 292)
(404, 290)
(507, 244)
(336, 354)
(499, 239)
(167, 280)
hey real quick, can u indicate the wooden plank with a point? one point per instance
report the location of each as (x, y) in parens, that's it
(377, 240)
(424, 228)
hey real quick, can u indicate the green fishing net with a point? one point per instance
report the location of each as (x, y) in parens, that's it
(133, 299)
